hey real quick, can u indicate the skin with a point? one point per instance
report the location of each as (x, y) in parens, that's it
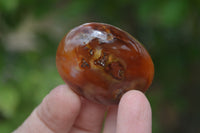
(63, 111)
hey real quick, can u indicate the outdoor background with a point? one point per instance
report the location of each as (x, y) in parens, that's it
(30, 31)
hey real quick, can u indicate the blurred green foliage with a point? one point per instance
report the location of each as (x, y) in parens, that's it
(30, 31)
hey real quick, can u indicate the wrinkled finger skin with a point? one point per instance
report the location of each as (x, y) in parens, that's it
(102, 62)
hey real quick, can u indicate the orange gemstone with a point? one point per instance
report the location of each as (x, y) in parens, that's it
(101, 62)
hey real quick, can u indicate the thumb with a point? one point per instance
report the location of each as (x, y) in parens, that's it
(56, 113)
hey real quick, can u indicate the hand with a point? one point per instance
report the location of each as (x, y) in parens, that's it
(62, 111)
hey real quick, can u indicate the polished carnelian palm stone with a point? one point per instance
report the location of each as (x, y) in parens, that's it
(101, 62)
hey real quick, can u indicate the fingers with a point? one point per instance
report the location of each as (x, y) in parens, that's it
(90, 118)
(134, 113)
(56, 114)
(111, 120)
(63, 111)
